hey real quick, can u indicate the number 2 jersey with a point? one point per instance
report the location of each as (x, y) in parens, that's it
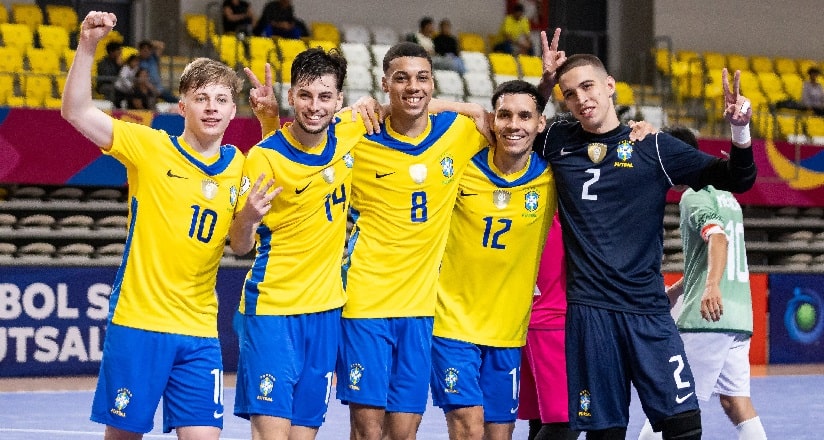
(611, 196)
(300, 242)
(701, 210)
(491, 260)
(180, 209)
(403, 192)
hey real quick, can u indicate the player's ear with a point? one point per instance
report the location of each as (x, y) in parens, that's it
(541, 123)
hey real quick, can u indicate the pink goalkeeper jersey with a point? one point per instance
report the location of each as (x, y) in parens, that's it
(549, 308)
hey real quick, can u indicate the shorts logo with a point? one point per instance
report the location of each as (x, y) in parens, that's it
(355, 374)
(531, 200)
(121, 401)
(451, 380)
(266, 385)
(584, 401)
(348, 160)
(447, 167)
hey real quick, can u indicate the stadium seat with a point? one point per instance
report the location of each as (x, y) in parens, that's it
(714, 60)
(54, 38)
(76, 221)
(323, 30)
(38, 91)
(772, 86)
(624, 95)
(504, 67)
(354, 33)
(785, 66)
(476, 62)
(4, 13)
(378, 52)
(229, 49)
(356, 53)
(28, 14)
(43, 61)
(63, 16)
(359, 77)
(289, 48)
(384, 35)
(793, 84)
(17, 35)
(110, 250)
(262, 48)
(531, 68)
(790, 127)
(472, 42)
(478, 85)
(326, 45)
(199, 27)
(805, 64)
(449, 85)
(761, 64)
(285, 71)
(815, 129)
(687, 56)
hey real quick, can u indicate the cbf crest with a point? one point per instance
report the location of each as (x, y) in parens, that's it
(501, 198)
(265, 387)
(447, 166)
(233, 195)
(348, 160)
(451, 379)
(355, 375)
(121, 401)
(584, 401)
(624, 150)
(531, 200)
(209, 188)
(596, 152)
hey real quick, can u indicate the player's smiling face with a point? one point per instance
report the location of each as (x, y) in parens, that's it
(409, 84)
(208, 110)
(315, 103)
(588, 94)
(517, 122)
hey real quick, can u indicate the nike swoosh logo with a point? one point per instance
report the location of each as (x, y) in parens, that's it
(464, 194)
(217, 415)
(298, 191)
(564, 152)
(680, 399)
(171, 174)
(380, 176)
(514, 410)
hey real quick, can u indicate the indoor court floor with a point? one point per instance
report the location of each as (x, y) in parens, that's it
(789, 399)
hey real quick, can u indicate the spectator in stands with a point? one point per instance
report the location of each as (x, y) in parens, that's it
(424, 37)
(150, 53)
(514, 35)
(446, 45)
(161, 334)
(278, 19)
(144, 94)
(812, 94)
(715, 321)
(107, 70)
(237, 17)
(125, 80)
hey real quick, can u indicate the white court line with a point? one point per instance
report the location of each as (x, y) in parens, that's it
(96, 433)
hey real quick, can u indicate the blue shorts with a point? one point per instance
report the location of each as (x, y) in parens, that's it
(466, 374)
(140, 366)
(606, 350)
(385, 362)
(286, 365)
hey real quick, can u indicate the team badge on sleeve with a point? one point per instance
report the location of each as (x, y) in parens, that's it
(596, 152)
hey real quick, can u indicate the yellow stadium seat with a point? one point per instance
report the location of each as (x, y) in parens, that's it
(804, 65)
(715, 60)
(68, 57)
(43, 61)
(29, 14)
(624, 95)
(663, 60)
(38, 91)
(737, 62)
(785, 65)
(230, 50)
(687, 55)
(199, 27)
(326, 45)
(503, 64)
(531, 65)
(7, 94)
(100, 50)
(761, 64)
(289, 48)
(472, 42)
(54, 38)
(815, 126)
(4, 13)
(60, 81)
(127, 51)
(793, 84)
(285, 71)
(790, 127)
(262, 48)
(17, 35)
(772, 86)
(322, 30)
(11, 60)
(63, 16)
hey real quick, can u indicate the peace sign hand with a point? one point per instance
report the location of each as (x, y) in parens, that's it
(737, 109)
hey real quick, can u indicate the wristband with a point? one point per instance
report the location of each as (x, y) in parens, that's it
(740, 134)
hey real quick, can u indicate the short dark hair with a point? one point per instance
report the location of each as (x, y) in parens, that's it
(578, 60)
(813, 71)
(405, 49)
(683, 134)
(315, 62)
(519, 87)
(426, 21)
(113, 46)
(145, 43)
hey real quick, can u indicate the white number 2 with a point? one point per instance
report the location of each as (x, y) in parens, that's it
(585, 195)
(677, 373)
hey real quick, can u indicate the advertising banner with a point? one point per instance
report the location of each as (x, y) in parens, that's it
(796, 321)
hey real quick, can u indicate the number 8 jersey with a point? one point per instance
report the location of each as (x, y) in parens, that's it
(180, 209)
